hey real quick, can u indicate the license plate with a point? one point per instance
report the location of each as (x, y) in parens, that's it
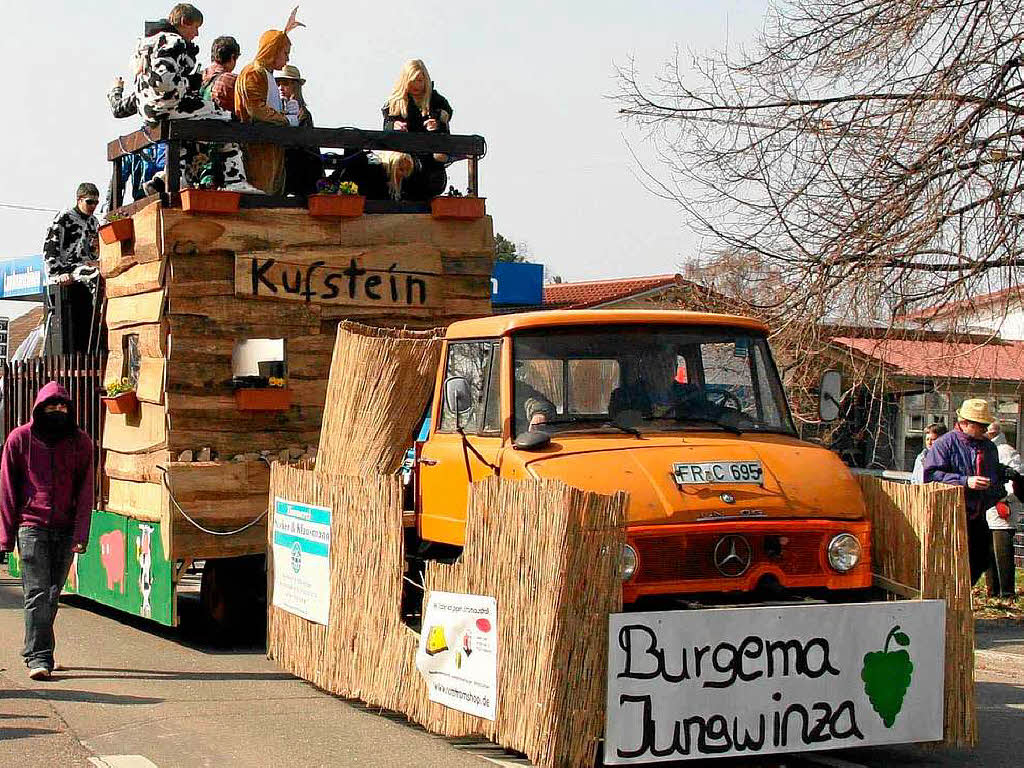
(709, 472)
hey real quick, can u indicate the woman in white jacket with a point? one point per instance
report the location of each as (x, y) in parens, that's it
(1003, 520)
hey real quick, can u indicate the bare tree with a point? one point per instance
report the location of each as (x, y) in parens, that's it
(867, 153)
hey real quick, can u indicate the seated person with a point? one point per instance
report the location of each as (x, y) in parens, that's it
(532, 406)
(416, 107)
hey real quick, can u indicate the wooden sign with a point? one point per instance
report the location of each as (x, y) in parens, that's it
(337, 281)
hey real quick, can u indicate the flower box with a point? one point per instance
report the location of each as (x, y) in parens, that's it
(263, 399)
(119, 230)
(210, 201)
(461, 208)
(126, 403)
(336, 206)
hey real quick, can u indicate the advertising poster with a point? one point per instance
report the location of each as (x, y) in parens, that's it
(458, 653)
(302, 549)
(734, 682)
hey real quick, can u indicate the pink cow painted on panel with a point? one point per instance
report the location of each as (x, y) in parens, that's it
(112, 556)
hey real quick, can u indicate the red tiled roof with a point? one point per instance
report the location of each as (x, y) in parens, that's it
(595, 292)
(975, 302)
(941, 360)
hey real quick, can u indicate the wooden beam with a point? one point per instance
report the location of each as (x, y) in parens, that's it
(152, 339)
(256, 311)
(141, 278)
(141, 501)
(124, 311)
(133, 142)
(140, 432)
(139, 467)
(334, 138)
(895, 587)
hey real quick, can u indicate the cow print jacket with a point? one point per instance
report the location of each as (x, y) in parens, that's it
(71, 240)
(168, 77)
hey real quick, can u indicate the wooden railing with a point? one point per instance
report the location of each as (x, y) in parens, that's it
(81, 375)
(174, 132)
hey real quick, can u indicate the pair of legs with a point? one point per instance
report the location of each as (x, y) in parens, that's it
(1000, 572)
(203, 163)
(45, 555)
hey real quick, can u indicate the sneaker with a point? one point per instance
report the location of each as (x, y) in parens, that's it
(39, 673)
(244, 187)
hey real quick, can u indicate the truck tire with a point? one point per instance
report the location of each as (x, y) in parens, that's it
(233, 599)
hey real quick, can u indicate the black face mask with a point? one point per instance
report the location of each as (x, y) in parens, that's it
(54, 424)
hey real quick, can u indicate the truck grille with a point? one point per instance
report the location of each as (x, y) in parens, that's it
(683, 557)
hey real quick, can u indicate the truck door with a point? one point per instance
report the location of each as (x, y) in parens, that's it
(462, 448)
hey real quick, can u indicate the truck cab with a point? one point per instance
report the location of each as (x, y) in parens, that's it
(684, 411)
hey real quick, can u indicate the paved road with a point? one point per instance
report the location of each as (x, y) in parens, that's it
(158, 698)
(133, 690)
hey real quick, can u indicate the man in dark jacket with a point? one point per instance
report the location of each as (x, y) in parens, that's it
(46, 497)
(966, 457)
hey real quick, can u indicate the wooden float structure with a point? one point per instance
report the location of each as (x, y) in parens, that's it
(187, 289)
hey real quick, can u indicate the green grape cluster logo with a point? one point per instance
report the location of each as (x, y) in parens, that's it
(886, 675)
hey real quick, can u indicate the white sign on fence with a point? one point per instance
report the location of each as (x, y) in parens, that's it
(302, 550)
(458, 653)
(740, 681)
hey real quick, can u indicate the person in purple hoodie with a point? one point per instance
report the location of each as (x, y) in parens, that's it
(46, 499)
(966, 457)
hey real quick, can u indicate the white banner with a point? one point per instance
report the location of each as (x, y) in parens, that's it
(740, 681)
(458, 653)
(302, 559)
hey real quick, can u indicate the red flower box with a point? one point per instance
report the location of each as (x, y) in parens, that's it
(336, 206)
(461, 208)
(126, 402)
(263, 399)
(210, 201)
(119, 230)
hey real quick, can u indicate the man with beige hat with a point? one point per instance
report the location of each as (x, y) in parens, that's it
(965, 456)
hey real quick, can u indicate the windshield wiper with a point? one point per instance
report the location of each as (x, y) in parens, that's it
(730, 428)
(624, 428)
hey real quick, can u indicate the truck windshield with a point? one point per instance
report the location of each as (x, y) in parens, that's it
(651, 378)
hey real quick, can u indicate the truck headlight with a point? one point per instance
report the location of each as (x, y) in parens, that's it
(628, 562)
(844, 552)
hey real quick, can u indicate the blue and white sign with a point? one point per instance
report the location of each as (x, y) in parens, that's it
(302, 559)
(21, 277)
(518, 284)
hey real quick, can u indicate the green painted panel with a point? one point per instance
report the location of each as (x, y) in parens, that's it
(123, 567)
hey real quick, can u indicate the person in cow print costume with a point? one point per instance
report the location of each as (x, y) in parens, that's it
(167, 86)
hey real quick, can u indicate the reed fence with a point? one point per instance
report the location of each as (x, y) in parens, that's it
(920, 542)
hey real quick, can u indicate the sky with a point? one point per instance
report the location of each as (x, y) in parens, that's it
(532, 77)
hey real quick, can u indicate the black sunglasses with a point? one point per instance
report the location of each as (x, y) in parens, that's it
(91, 201)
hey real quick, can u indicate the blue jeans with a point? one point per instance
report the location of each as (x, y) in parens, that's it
(45, 555)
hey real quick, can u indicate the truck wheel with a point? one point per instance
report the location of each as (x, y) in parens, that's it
(233, 599)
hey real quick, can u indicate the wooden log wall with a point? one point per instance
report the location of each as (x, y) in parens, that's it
(191, 286)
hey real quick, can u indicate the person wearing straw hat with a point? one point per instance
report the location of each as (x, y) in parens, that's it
(303, 165)
(966, 457)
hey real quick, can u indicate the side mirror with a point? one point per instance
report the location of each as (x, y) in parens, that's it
(829, 393)
(532, 441)
(457, 397)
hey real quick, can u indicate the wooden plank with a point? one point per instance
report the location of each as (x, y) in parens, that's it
(152, 339)
(150, 387)
(479, 264)
(187, 542)
(256, 311)
(335, 138)
(115, 258)
(133, 142)
(218, 421)
(276, 229)
(140, 278)
(467, 308)
(191, 326)
(213, 479)
(234, 443)
(895, 587)
(125, 311)
(468, 286)
(267, 277)
(140, 467)
(141, 432)
(141, 501)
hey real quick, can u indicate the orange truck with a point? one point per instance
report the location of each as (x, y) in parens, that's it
(685, 411)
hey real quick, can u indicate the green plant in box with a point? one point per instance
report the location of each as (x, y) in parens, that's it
(119, 387)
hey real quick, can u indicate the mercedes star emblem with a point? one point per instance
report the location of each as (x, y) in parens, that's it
(728, 498)
(732, 556)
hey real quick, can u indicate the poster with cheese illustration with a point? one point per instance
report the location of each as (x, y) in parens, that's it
(458, 652)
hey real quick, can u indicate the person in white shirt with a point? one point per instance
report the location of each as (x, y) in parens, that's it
(1003, 520)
